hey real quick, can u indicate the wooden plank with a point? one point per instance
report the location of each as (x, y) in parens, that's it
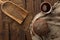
(16, 33)
(15, 12)
(24, 4)
(22, 34)
(29, 5)
(5, 27)
(37, 6)
(1, 26)
(28, 36)
(6, 31)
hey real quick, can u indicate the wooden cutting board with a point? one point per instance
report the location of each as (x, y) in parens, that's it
(14, 11)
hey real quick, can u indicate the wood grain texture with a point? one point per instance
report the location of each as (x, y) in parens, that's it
(11, 30)
(51, 1)
(16, 33)
(1, 28)
(15, 12)
(37, 6)
(5, 27)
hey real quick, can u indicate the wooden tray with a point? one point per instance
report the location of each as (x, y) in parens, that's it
(14, 11)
